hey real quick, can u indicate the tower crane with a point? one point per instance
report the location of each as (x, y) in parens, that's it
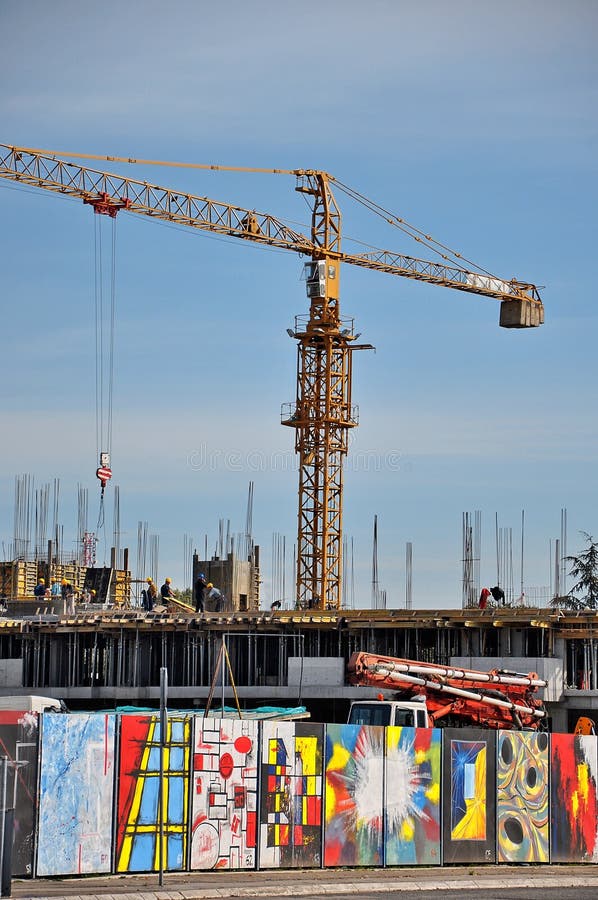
(322, 413)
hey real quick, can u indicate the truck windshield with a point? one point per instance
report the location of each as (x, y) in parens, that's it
(370, 714)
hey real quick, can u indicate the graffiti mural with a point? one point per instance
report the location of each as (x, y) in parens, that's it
(75, 794)
(238, 794)
(469, 810)
(18, 743)
(138, 823)
(353, 834)
(522, 797)
(291, 798)
(412, 796)
(573, 800)
(223, 832)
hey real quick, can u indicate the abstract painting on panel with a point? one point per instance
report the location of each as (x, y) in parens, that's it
(573, 800)
(469, 795)
(412, 796)
(76, 794)
(522, 797)
(224, 794)
(18, 743)
(291, 795)
(138, 825)
(353, 834)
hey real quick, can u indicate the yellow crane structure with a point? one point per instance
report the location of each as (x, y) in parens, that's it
(322, 413)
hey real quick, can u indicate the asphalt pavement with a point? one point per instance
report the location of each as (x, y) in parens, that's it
(468, 880)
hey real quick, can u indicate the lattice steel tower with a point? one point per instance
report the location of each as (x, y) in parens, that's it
(322, 414)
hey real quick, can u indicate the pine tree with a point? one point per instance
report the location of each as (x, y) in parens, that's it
(585, 568)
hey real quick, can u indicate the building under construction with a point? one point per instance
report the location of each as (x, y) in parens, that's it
(110, 652)
(104, 658)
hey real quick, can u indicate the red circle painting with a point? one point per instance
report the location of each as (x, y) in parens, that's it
(226, 765)
(243, 744)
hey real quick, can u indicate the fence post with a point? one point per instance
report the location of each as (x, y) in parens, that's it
(6, 837)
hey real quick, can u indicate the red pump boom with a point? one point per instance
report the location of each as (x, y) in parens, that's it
(494, 699)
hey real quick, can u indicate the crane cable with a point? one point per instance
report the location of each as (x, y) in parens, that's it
(104, 358)
(411, 230)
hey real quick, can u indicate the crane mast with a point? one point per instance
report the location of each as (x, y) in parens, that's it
(322, 413)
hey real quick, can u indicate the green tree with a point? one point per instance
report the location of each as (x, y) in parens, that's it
(584, 568)
(184, 595)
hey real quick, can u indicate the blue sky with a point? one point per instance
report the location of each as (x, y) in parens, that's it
(475, 121)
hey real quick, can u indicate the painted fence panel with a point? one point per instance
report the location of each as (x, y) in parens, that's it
(225, 777)
(469, 796)
(412, 796)
(76, 794)
(138, 819)
(291, 795)
(19, 743)
(573, 798)
(522, 797)
(354, 811)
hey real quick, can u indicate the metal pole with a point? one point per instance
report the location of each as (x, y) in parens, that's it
(497, 548)
(223, 672)
(522, 536)
(163, 726)
(3, 817)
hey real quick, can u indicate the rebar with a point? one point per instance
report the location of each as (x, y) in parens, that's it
(375, 587)
(116, 525)
(22, 516)
(82, 510)
(409, 575)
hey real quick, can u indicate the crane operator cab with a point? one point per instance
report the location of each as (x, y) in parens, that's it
(389, 712)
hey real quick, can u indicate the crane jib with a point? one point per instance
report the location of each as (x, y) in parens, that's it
(109, 193)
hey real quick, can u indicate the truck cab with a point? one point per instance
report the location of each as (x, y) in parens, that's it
(412, 713)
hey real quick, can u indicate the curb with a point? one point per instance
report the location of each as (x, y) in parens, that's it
(338, 889)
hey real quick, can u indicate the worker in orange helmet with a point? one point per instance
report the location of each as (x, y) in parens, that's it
(216, 597)
(166, 591)
(148, 595)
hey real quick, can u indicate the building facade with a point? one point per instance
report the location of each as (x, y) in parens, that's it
(113, 657)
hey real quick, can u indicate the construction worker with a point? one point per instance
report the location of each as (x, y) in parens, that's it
(483, 601)
(215, 597)
(71, 600)
(148, 595)
(499, 595)
(200, 589)
(55, 589)
(40, 588)
(68, 597)
(166, 591)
